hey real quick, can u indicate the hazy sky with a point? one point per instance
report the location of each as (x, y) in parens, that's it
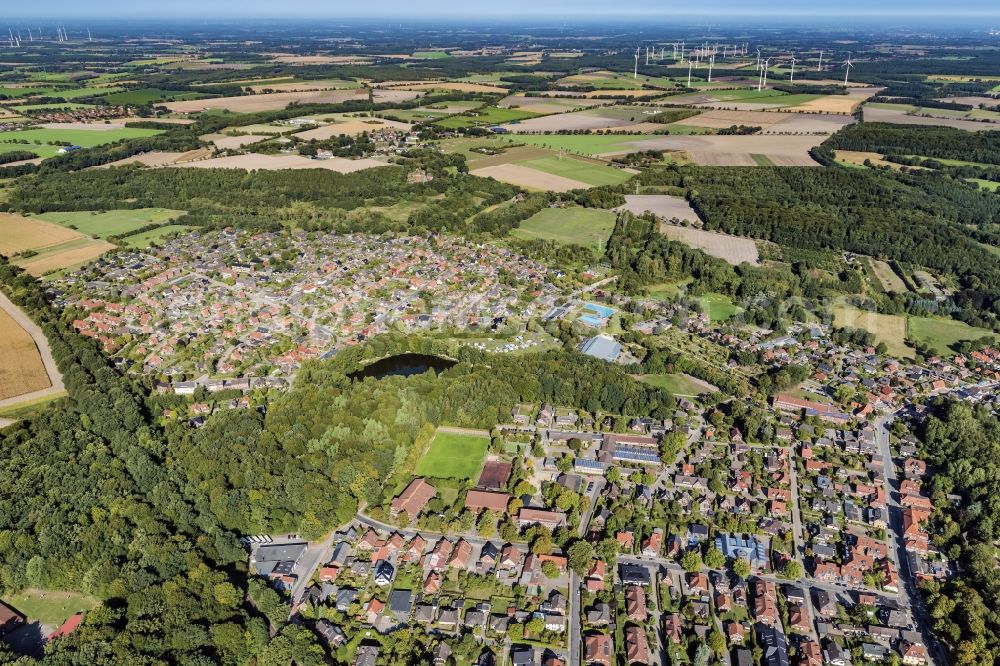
(572, 9)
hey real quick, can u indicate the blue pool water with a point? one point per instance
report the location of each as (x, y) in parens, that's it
(602, 310)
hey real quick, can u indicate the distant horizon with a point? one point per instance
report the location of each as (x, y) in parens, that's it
(568, 11)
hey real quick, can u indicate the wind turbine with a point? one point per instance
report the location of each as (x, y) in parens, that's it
(793, 70)
(675, 50)
(635, 74)
(90, 37)
(767, 63)
(820, 68)
(847, 67)
(711, 64)
(690, 64)
(647, 56)
(758, 57)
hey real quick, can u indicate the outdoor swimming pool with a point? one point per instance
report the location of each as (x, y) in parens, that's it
(602, 311)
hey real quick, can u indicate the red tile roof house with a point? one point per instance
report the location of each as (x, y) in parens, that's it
(10, 619)
(636, 646)
(413, 499)
(635, 603)
(477, 500)
(550, 519)
(68, 627)
(597, 649)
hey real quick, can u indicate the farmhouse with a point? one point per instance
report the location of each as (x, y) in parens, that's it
(413, 499)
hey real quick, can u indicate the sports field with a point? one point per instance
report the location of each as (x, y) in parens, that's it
(112, 222)
(453, 456)
(39, 140)
(21, 369)
(580, 226)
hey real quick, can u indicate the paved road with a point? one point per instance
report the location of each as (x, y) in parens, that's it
(909, 595)
(575, 634)
(55, 378)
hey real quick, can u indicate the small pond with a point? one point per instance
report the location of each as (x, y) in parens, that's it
(403, 365)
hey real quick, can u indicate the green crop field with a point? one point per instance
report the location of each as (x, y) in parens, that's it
(37, 139)
(940, 334)
(147, 238)
(580, 226)
(453, 456)
(490, 115)
(430, 55)
(112, 222)
(718, 307)
(576, 169)
(76, 93)
(57, 106)
(147, 95)
(762, 160)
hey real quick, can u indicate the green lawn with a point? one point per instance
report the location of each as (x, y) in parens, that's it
(575, 169)
(453, 456)
(990, 185)
(580, 226)
(584, 144)
(718, 307)
(939, 334)
(147, 238)
(677, 383)
(38, 139)
(112, 222)
(50, 607)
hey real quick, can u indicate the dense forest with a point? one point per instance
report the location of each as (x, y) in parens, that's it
(963, 445)
(926, 141)
(913, 218)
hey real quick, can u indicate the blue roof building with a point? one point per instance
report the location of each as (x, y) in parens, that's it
(603, 347)
(743, 546)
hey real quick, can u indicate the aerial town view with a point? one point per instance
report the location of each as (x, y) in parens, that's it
(533, 334)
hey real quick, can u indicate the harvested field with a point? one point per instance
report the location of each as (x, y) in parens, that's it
(276, 101)
(837, 104)
(529, 178)
(295, 59)
(21, 367)
(302, 86)
(67, 255)
(733, 150)
(509, 156)
(577, 120)
(972, 101)
(887, 277)
(159, 159)
(94, 127)
(18, 234)
(351, 127)
(771, 122)
(226, 142)
(255, 161)
(548, 104)
(899, 116)
(661, 205)
(734, 249)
